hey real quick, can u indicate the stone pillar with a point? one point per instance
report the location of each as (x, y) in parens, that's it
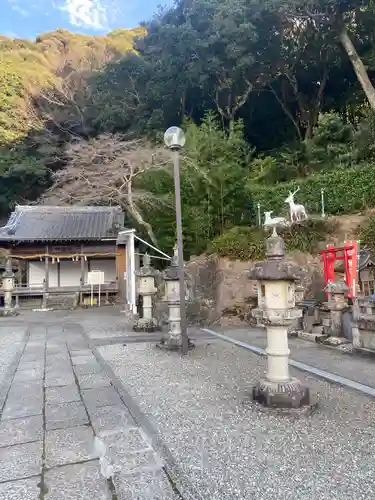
(277, 312)
(337, 304)
(146, 281)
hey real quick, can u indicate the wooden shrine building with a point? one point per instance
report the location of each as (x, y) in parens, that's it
(55, 248)
(366, 272)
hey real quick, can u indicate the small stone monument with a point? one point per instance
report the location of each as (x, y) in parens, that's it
(8, 288)
(276, 311)
(147, 289)
(337, 292)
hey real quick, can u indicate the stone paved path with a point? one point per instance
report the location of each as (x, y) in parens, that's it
(53, 400)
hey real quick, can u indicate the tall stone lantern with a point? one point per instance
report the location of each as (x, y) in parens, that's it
(276, 311)
(172, 339)
(147, 289)
(8, 288)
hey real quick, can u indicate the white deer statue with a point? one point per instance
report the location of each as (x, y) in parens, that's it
(297, 212)
(275, 222)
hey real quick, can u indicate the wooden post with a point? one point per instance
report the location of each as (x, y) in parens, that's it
(46, 262)
(46, 279)
(120, 270)
(82, 267)
(19, 273)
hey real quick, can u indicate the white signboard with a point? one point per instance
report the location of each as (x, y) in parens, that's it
(95, 278)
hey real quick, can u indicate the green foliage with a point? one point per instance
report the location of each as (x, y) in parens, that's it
(214, 165)
(365, 137)
(367, 234)
(332, 146)
(289, 108)
(248, 243)
(240, 243)
(347, 190)
(307, 236)
(28, 68)
(23, 178)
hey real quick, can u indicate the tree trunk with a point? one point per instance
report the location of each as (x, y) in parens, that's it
(359, 67)
(137, 216)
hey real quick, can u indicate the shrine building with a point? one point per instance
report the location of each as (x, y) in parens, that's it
(55, 247)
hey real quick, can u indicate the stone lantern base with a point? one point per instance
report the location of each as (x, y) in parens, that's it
(173, 344)
(146, 325)
(9, 312)
(291, 394)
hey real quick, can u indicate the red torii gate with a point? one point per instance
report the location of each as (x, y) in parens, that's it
(349, 254)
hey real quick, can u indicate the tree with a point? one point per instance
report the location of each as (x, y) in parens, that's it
(214, 166)
(341, 19)
(105, 171)
(208, 52)
(120, 95)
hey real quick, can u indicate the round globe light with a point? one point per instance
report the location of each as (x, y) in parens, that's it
(174, 138)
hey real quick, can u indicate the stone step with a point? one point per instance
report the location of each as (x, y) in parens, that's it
(61, 301)
(312, 337)
(336, 341)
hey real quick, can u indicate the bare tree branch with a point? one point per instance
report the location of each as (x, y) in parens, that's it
(104, 171)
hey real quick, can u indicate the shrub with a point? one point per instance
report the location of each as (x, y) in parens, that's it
(347, 190)
(248, 243)
(307, 236)
(240, 243)
(367, 234)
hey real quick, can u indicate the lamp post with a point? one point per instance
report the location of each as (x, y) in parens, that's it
(174, 139)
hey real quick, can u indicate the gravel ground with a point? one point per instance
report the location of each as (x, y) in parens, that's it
(231, 450)
(353, 366)
(10, 341)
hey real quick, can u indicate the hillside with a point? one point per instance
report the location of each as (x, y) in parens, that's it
(33, 75)
(271, 99)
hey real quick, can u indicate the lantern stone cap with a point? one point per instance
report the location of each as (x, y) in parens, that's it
(336, 287)
(8, 271)
(146, 270)
(275, 267)
(172, 272)
(269, 270)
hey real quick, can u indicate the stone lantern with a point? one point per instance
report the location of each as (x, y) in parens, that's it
(337, 292)
(173, 338)
(8, 288)
(147, 289)
(276, 311)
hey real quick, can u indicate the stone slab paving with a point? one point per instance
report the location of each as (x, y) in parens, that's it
(201, 407)
(11, 339)
(57, 398)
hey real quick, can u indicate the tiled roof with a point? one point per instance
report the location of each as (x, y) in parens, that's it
(53, 223)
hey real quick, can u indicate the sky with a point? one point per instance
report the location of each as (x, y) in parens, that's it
(29, 18)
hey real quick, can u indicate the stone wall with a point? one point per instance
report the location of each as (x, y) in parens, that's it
(220, 291)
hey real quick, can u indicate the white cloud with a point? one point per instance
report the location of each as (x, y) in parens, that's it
(87, 13)
(14, 5)
(20, 10)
